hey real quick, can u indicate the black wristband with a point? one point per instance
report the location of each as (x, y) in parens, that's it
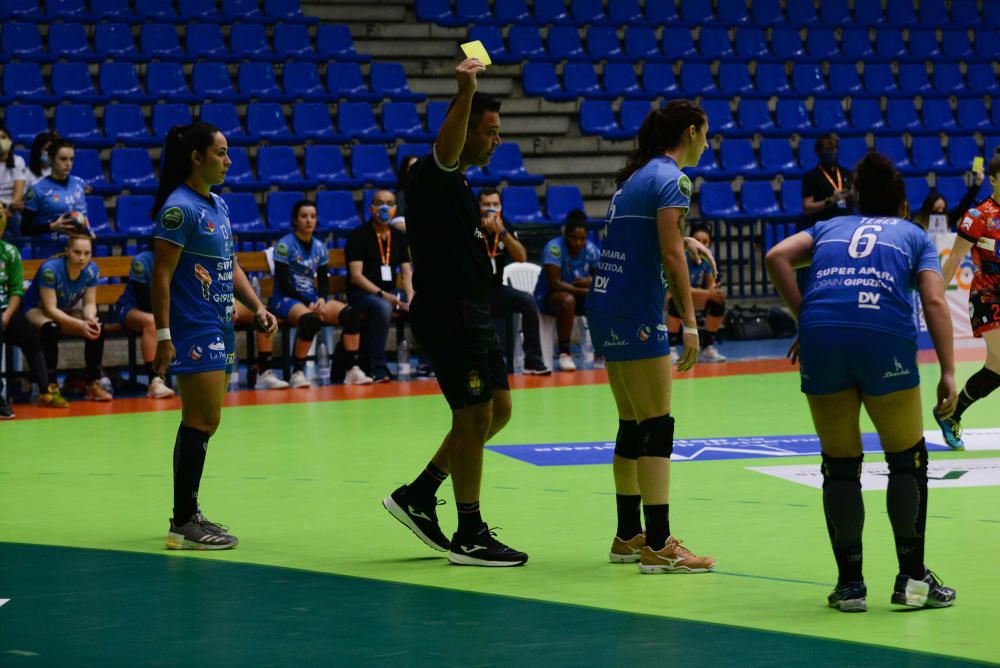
(380, 293)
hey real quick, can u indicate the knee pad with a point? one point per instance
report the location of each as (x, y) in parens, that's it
(715, 308)
(847, 469)
(912, 461)
(308, 326)
(49, 332)
(672, 309)
(656, 437)
(627, 442)
(350, 319)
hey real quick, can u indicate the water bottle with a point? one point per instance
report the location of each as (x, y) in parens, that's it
(403, 358)
(322, 361)
(588, 347)
(255, 284)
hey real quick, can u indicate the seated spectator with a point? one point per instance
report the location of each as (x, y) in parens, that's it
(936, 204)
(301, 285)
(705, 294)
(503, 248)
(56, 206)
(135, 312)
(62, 301)
(12, 178)
(14, 327)
(375, 255)
(38, 160)
(568, 265)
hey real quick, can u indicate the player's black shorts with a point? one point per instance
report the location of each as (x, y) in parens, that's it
(984, 311)
(463, 348)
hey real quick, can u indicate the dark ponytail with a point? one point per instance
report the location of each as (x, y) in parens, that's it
(881, 190)
(662, 131)
(175, 163)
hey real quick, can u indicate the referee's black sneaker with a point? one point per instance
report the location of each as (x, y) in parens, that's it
(483, 549)
(5, 411)
(418, 516)
(928, 592)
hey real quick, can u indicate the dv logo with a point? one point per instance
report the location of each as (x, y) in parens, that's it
(601, 284)
(869, 300)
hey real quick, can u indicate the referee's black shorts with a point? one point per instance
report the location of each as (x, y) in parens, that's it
(463, 348)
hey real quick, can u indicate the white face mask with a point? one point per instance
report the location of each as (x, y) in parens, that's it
(5, 145)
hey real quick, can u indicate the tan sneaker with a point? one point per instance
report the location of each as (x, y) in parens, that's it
(627, 551)
(158, 389)
(52, 398)
(673, 558)
(97, 393)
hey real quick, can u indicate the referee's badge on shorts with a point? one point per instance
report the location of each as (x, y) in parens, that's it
(475, 383)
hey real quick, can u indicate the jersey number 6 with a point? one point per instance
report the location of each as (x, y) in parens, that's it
(863, 241)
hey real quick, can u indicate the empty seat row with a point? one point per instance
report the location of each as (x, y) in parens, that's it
(800, 13)
(675, 43)
(260, 11)
(203, 41)
(24, 82)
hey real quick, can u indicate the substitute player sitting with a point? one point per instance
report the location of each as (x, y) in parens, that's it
(705, 294)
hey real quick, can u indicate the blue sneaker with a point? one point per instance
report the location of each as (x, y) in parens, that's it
(849, 597)
(951, 429)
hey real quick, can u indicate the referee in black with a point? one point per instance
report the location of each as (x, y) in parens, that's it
(450, 316)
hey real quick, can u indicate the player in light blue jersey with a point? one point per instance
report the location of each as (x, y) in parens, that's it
(643, 252)
(56, 206)
(135, 312)
(195, 280)
(705, 294)
(857, 346)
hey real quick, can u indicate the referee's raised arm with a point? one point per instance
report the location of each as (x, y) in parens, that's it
(454, 129)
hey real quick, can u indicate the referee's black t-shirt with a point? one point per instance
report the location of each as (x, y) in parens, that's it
(442, 222)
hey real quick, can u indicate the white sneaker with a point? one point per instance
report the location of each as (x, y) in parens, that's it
(710, 354)
(268, 381)
(566, 362)
(299, 380)
(355, 376)
(673, 355)
(158, 389)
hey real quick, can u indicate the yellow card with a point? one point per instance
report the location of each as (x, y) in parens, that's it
(477, 50)
(977, 163)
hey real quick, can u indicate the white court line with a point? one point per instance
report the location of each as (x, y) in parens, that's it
(2, 601)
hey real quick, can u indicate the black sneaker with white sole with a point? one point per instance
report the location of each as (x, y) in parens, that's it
(5, 411)
(483, 549)
(928, 592)
(420, 517)
(198, 533)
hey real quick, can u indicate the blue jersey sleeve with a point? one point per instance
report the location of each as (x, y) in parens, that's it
(593, 256)
(552, 254)
(141, 268)
(674, 193)
(176, 224)
(282, 252)
(927, 260)
(31, 200)
(48, 275)
(93, 273)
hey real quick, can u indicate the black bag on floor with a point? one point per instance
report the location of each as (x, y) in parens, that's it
(745, 323)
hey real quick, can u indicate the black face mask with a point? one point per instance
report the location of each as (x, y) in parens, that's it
(829, 157)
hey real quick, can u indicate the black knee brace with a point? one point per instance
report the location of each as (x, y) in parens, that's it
(847, 469)
(49, 333)
(715, 308)
(308, 326)
(672, 309)
(906, 496)
(912, 461)
(627, 443)
(656, 437)
(350, 320)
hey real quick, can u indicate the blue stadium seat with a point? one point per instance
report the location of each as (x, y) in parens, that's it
(132, 169)
(437, 11)
(866, 115)
(292, 42)
(435, 113)
(625, 12)
(492, 40)
(560, 200)
(325, 164)
(279, 209)
(889, 44)
(357, 120)
(720, 116)
(734, 79)
(302, 81)
(212, 81)
(981, 79)
(913, 78)
(87, 165)
(923, 44)
(520, 205)
(771, 78)
(902, 115)
(878, 79)
(802, 14)
(257, 80)
(821, 43)
(936, 114)
(697, 12)
(156, 10)
(552, 12)
(68, 10)
(834, 13)
(995, 115)
(166, 81)
(786, 43)
(660, 13)
(243, 10)
(508, 164)
(990, 145)
(287, 11)
(757, 198)
(928, 155)
(916, 190)
(750, 43)
(477, 178)
(120, 81)
(336, 210)
(603, 44)
(277, 166)
(525, 43)
(733, 12)
(620, 81)
(987, 44)
(900, 13)
(828, 114)
(97, 214)
(856, 44)
(948, 79)
(677, 43)
(962, 149)
(738, 156)
(312, 120)
(754, 116)
(852, 149)
(473, 11)
(696, 79)
(159, 40)
(589, 12)
(244, 215)
(509, 12)
(266, 120)
(404, 151)
(69, 41)
(132, 215)
(249, 41)
(240, 176)
(965, 13)
(766, 12)
(77, 123)
(717, 201)
(29, 10)
(776, 156)
(125, 123)
(401, 120)
(224, 116)
(714, 43)
(563, 43)
(708, 164)
(346, 81)
(200, 12)
(388, 80)
(659, 77)
(114, 41)
(580, 80)
(893, 148)
(598, 118)
(22, 41)
(792, 115)
(972, 114)
(72, 81)
(933, 13)
(791, 197)
(23, 81)
(334, 42)
(951, 187)
(868, 14)
(844, 79)
(25, 122)
(807, 78)
(371, 164)
(633, 113)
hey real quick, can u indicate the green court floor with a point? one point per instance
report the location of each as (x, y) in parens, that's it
(323, 573)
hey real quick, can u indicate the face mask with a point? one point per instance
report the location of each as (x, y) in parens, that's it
(487, 212)
(5, 145)
(45, 159)
(384, 213)
(829, 157)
